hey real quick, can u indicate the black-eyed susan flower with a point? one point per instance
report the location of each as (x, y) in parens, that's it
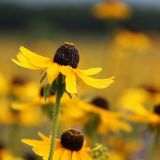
(111, 9)
(70, 146)
(137, 103)
(133, 41)
(7, 155)
(65, 62)
(107, 120)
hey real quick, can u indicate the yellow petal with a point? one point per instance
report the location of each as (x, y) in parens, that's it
(43, 137)
(84, 155)
(58, 154)
(91, 71)
(52, 72)
(66, 155)
(94, 82)
(71, 83)
(66, 70)
(35, 59)
(28, 59)
(75, 156)
(23, 65)
(41, 148)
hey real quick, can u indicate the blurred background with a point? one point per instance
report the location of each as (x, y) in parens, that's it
(123, 38)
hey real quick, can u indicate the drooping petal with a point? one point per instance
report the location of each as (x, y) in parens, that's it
(58, 154)
(31, 60)
(75, 156)
(71, 86)
(52, 72)
(41, 148)
(66, 70)
(91, 71)
(35, 59)
(94, 82)
(66, 155)
(23, 65)
(84, 155)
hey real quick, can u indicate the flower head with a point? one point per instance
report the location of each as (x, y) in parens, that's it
(70, 146)
(112, 10)
(65, 62)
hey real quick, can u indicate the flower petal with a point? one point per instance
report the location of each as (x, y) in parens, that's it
(52, 72)
(35, 59)
(94, 82)
(71, 86)
(66, 155)
(91, 71)
(66, 70)
(31, 60)
(75, 156)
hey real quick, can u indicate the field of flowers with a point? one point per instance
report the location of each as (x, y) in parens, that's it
(81, 96)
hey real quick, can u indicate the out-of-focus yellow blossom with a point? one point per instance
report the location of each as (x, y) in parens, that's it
(65, 62)
(6, 155)
(134, 101)
(3, 85)
(112, 9)
(26, 117)
(133, 41)
(70, 146)
(109, 121)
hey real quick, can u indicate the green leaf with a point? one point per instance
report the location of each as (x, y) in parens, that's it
(54, 86)
(99, 152)
(43, 77)
(46, 91)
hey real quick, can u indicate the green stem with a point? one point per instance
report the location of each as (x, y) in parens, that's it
(56, 111)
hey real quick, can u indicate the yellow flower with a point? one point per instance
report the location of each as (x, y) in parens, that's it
(112, 10)
(134, 101)
(109, 121)
(65, 62)
(134, 41)
(7, 155)
(3, 85)
(70, 146)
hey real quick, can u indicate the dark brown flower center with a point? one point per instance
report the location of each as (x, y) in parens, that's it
(101, 103)
(157, 109)
(72, 140)
(67, 54)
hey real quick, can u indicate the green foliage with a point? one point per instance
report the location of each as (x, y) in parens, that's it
(99, 152)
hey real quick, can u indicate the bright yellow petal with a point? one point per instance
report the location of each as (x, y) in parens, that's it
(91, 71)
(28, 59)
(58, 154)
(52, 72)
(66, 70)
(71, 83)
(23, 65)
(35, 59)
(94, 82)
(43, 137)
(66, 155)
(75, 156)
(84, 155)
